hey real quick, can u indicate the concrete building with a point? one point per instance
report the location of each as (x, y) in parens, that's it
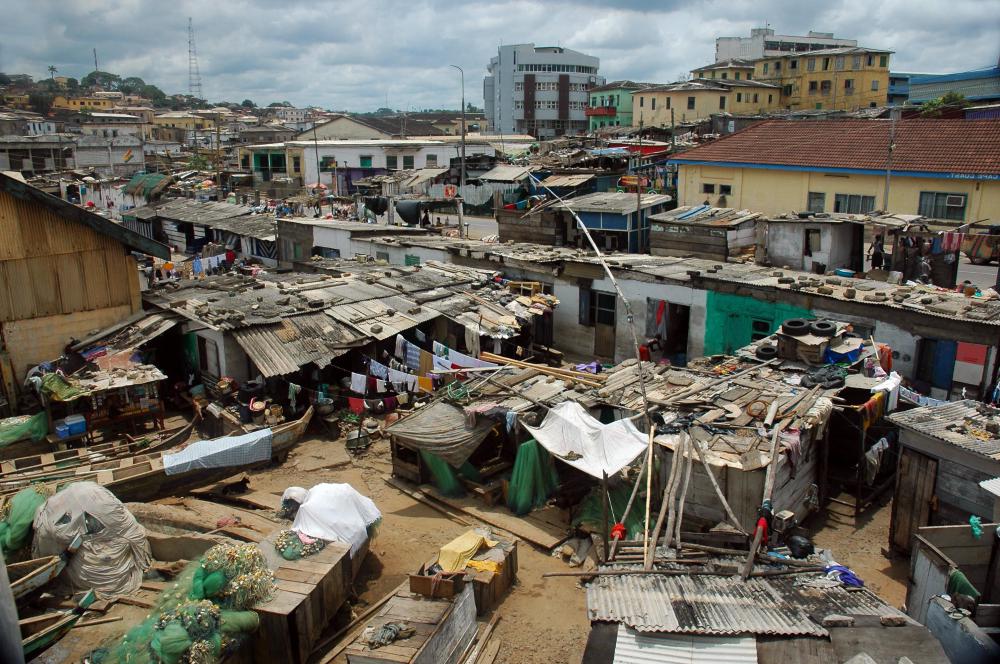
(32, 155)
(690, 101)
(121, 156)
(845, 78)
(611, 104)
(66, 272)
(291, 115)
(763, 42)
(941, 169)
(542, 91)
(899, 87)
(345, 126)
(979, 85)
(109, 125)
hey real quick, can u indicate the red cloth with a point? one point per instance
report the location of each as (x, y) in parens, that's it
(356, 405)
(644, 353)
(618, 531)
(761, 526)
(230, 256)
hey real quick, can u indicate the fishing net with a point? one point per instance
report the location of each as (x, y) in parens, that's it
(204, 616)
(292, 546)
(23, 427)
(17, 516)
(532, 480)
(590, 514)
(444, 476)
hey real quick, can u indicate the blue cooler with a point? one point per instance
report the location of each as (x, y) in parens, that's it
(62, 429)
(77, 424)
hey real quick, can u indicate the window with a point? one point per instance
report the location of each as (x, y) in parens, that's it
(602, 308)
(365, 160)
(407, 161)
(739, 97)
(410, 259)
(652, 103)
(849, 86)
(813, 87)
(707, 188)
(853, 203)
(816, 201)
(811, 64)
(825, 87)
(431, 161)
(942, 205)
(642, 102)
(770, 98)
(722, 102)
(725, 75)
(725, 189)
(793, 64)
(382, 256)
(690, 103)
(668, 103)
(812, 241)
(759, 328)
(327, 164)
(755, 97)
(391, 162)
(826, 64)
(856, 64)
(736, 75)
(765, 67)
(875, 85)
(749, 75)
(296, 164)
(871, 60)
(839, 63)
(883, 60)
(777, 66)
(786, 90)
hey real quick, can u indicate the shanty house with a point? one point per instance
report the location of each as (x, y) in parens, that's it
(618, 221)
(812, 242)
(64, 272)
(715, 233)
(947, 449)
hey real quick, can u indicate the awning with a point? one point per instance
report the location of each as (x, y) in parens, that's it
(442, 430)
(567, 180)
(285, 347)
(576, 438)
(505, 173)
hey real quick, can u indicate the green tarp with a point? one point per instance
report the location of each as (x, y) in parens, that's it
(23, 427)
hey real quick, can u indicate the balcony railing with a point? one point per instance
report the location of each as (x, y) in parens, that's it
(601, 111)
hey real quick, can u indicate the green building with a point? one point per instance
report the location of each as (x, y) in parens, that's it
(611, 104)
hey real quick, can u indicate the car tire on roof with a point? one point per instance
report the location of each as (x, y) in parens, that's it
(823, 328)
(795, 327)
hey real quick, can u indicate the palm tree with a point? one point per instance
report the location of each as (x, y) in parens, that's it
(52, 72)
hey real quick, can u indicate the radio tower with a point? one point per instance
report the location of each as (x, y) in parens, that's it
(194, 76)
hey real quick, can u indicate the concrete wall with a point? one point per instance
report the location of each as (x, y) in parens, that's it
(396, 254)
(776, 191)
(42, 339)
(962, 640)
(786, 244)
(232, 360)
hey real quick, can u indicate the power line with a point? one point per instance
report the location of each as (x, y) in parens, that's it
(194, 76)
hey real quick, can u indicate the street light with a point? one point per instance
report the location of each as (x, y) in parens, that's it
(461, 191)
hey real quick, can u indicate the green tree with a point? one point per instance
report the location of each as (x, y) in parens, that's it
(198, 162)
(949, 100)
(248, 103)
(279, 104)
(101, 79)
(52, 72)
(132, 85)
(72, 84)
(153, 93)
(40, 102)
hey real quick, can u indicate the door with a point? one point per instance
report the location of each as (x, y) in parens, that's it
(603, 306)
(911, 507)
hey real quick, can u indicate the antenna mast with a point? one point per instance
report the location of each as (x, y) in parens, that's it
(96, 68)
(194, 76)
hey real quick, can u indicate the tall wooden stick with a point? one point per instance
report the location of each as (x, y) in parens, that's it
(649, 549)
(718, 490)
(768, 490)
(631, 499)
(649, 492)
(688, 464)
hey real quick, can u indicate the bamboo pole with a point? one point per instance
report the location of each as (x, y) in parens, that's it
(649, 547)
(768, 490)
(648, 465)
(718, 490)
(631, 499)
(688, 463)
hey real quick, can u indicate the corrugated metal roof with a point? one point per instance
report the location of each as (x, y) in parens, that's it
(953, 423)
(505, 173)
(373, 318)
(285, 347)
(704, 215)
(993, 486)
(613, 202)
(633, 647)
(722, 605)
(567, 180)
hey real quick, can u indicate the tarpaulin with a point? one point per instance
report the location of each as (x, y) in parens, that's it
(230, 451)
(443, 430)
(456, 554)
(334, 512)
(576, 438)
(23, 427)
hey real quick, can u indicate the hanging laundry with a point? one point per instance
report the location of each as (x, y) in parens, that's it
(196, 265)
(356, 405)
(440, 349)
(375, 405)
(412, 356)
(293, 393)
(441, 363)
(403, 398)
(467, 362)
(408, 380)
(426, 363)
(472, 341)
(378, 370)
(400, 347)
(421, 337)
(425, 383)
(359, 383)
(390, 404)
(380, 386)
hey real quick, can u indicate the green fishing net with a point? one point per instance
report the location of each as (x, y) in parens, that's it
(591, 510)
(203, 616)
(533, 479)
(17, 516)
(291, 547)
(444, 476)
(23, 427)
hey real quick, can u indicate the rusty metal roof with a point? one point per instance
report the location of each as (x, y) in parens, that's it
(965, 424)
(286, 346)
(724, 605)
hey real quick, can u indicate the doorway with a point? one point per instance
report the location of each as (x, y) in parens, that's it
(911, 506)
(668, 323)
(603, 314)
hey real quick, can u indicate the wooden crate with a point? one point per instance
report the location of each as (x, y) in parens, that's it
(443, 629)
(309, 595)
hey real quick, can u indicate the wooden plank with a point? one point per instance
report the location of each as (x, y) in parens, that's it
(298, 575)
(304, 589)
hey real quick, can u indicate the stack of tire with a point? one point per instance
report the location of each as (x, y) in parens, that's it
(827, 377)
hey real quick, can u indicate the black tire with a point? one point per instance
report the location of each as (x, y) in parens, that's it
(795, 327)
(823, 328)
(767, 352)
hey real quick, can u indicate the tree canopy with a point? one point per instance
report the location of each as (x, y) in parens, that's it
(248, 103)
(949, 100)
(132, 85)
(102, 79)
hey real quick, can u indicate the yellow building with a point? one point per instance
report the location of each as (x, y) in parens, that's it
(844, 78)
(83, 103)
(700, 99)
(183, 120)
(20, 101)
(781, 166)
(728, 70)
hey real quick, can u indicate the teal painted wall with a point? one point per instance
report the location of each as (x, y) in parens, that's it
(730, 319)
(623, 115)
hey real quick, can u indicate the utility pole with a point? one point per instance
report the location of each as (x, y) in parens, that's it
(218, 161)
(461, 189)
(893, 116)
(96, 68)
(638, 185)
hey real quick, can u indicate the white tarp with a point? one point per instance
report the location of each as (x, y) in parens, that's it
(333, 512)
(585, 443)
(231, 451)
(114, 552)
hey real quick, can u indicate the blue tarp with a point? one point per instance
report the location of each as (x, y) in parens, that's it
(231, 451)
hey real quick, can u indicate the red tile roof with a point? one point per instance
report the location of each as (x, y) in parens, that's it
(968, 147)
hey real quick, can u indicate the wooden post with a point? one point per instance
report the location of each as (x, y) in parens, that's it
(631, 499)
(768, 490)
(649, 548)
(688, 463)
(604, 513)
(718, 490)
(649, 492)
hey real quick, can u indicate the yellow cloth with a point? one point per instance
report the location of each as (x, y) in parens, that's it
(485, 565)
(456, 554)
(425, 383)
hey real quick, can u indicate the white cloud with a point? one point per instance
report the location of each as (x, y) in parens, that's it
(355, 55)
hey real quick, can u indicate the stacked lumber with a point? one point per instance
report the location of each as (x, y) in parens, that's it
(581, 377)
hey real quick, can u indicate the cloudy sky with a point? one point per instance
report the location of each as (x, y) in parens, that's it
(356, 55)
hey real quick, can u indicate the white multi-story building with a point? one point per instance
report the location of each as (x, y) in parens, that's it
(288, 114)
(763, 43)
(542, 91)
